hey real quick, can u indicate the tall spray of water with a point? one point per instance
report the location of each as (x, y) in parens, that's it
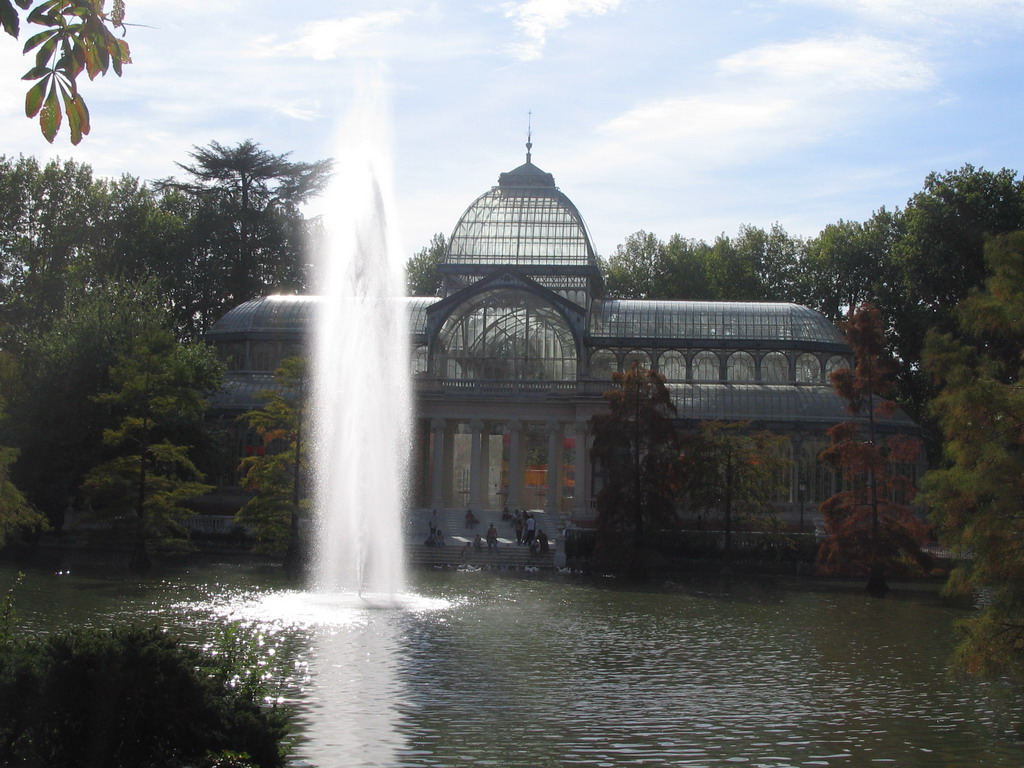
(362, 388)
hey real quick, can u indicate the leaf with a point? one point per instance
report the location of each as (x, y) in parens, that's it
(34, 97)
(45, 52)
(36, 72)
(50, 117)
(38, 38)
(74, 119)
(83, 113)
(9, 18)
(95, 59)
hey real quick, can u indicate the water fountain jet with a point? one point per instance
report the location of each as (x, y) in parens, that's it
(362, 388)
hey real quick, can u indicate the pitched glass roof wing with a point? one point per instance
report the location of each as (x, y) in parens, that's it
(709, 321)
(294, 314)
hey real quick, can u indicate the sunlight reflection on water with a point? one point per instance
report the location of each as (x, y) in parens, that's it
(519, 672)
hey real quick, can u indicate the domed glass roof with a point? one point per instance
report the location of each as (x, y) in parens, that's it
(524, 221)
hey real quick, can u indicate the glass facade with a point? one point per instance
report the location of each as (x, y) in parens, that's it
(710, 321)
(503, 334)
(511, 362)
(508, 227)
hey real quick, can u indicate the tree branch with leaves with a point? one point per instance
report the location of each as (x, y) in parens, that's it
(76, 37)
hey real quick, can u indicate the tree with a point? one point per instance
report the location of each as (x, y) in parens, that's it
(636, 446)
(157, 393)
(638, 268)
(773, 256)
(421, 274)
(941, 260)
(687, 264)
(870, 525)
(277, 473)
(850, 263)
(44, 229)
(735, 470)
(56, 422)
(975, 497)
(245, 211)
(76, 37)
(16, 513)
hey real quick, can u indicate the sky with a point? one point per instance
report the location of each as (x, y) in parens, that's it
(670, 116)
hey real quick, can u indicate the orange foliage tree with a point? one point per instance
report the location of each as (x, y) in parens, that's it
(870, 525)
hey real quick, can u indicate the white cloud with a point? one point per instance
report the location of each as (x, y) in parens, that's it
(853, 64)
(913, 13)
(535, 18)
(330, 38)
(764, 101)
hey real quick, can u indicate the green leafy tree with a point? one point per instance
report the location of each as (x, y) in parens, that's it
(850, 263)
(871, 526)
(639, 268)
(245, 212)
(45, 215)
(17, 515)
(941, 260)
(975, 496)
(277, 474)
(636, 446)
(72, 38)
(55, 420)
(157, 389)
(687, 267)
(736, 472)
(422, 277)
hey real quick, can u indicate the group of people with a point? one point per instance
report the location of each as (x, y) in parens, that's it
(523, 523)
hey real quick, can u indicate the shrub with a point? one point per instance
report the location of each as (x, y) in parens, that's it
(128, 697)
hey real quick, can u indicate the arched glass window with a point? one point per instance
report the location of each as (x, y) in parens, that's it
(774, 368)
(740, 367)
(509, 335)
(808, 369)
(640, 356)
(706, 367)
(835, 363)
(672, 365)
(603, 363)
(419, 360)
(264, 356)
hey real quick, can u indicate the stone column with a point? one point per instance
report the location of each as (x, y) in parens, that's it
(515, 465)
(485, 466)
(448, 479)
(437, 453)
(554, 489)
(475, 482)
(581, 493)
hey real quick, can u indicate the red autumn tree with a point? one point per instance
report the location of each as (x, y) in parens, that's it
(871, 526)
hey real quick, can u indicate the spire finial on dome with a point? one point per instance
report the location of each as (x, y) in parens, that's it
(529, 134)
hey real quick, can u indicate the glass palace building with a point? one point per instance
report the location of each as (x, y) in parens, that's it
(511, 360)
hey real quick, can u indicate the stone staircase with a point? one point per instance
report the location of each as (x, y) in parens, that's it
(452, 523)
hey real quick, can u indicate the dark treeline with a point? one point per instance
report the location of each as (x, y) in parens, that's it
(95, 272)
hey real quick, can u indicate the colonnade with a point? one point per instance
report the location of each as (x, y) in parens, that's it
(491, 463)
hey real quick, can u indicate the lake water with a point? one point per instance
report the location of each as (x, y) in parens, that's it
(482, 669)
